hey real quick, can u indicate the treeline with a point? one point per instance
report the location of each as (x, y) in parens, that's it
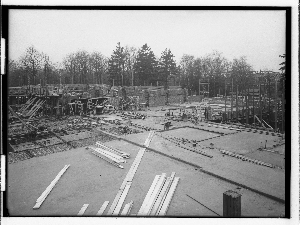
(128, 66)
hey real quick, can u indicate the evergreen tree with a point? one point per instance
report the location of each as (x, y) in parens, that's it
(167, 67)
(145, 68)
(116, 65)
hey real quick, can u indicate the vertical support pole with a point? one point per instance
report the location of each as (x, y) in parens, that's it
(199, 88)
(231, 98)
(253, 104)
(208, 88)
(260, 109)
(243, 103)
(269, 94)
(237, 103)
(225, 102)
(283, 105)
(247, 107)
(264, 96)
(231, 204)
(275, 104)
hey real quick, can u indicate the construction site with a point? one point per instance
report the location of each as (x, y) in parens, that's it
(144, 151)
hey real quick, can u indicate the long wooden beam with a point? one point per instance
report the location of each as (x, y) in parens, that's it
(109, 154)
(169, 197)
(44, 195)
(108, 159)
(127, 209)
(131, 173)
(27, 104)
(155, 194)
(82, 210)
(102, 209)
(122, 199)
(32, 108)
(149, 193)
(121, 153)
(162, 196)
(33, 113)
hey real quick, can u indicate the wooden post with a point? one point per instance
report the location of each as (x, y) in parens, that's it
(275, 104)
(247, 107)
(283, 106)
(208, 88)
(243, 103)
(231, 204)
(225, 101)
(253, 104)
(199, 87)
(260, 109)
(231, 99)
(236, 103)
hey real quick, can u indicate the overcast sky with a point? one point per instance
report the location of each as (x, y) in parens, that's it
(258, 35)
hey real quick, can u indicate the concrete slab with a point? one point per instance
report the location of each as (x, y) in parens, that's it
(92, 181)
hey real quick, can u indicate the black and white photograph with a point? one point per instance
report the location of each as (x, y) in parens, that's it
(127, 112)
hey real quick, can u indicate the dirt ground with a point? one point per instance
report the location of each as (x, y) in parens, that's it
(90, 180)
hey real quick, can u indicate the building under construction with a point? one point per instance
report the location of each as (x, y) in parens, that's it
(96, 150)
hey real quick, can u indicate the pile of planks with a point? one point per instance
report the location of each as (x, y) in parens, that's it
(111, 155)
(114, 150)
(159, 196)
(31, 108)
(117, 204)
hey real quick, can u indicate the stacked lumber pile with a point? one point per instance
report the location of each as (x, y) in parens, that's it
(159, 196)
(110, 155)
(14, 157)
(117, 204)
(30, 109)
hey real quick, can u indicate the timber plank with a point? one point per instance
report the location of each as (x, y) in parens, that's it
(130, 174)
(169, 197)
(127, 209)
(82, 210)
(155, 194)
(150, 191)
(44, 195)
(166, 192)
(102, 209)
(160, 197)
(122, 199)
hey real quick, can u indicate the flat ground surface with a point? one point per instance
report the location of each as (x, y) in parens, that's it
(90, 180)
(191, 133)
(267, 180)
(243, 142)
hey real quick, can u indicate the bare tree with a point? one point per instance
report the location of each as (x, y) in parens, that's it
(31, 63)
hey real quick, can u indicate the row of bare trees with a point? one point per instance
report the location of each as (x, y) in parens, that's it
(35, 67)
(129, 66)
